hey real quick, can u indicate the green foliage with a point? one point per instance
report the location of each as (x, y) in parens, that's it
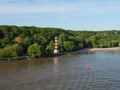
(5, 41)
(50, 48)
(61, 39)
(11, 52)
(26, 42)
(68, 40)
(34, 50)
(69, 46)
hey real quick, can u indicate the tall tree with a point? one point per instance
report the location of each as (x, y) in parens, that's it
(34, 50)
(69, 46)
(61, 39)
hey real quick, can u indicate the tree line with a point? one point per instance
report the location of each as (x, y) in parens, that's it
(38, 42)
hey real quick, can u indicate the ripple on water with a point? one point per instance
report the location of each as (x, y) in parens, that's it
(64, 73)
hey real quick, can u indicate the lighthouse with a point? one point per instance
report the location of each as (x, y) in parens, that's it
(56, 45)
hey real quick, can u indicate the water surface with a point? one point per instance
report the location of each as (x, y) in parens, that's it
(63, 72)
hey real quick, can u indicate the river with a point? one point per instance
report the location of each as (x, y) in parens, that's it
(67, 72)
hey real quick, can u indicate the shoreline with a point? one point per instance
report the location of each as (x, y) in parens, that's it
(86, 50)
(98, 49)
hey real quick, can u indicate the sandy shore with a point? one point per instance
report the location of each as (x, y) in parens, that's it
(98, 49)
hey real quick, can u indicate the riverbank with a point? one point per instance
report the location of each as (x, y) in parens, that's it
(98, 49)
(68, 53)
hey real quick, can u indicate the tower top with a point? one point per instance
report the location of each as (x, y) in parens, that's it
(56, 37)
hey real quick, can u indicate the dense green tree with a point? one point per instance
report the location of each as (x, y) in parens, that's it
(93, 40)
(69, 46)
(11, 51)
(6, 41)
(81, 46)
(26, 42)
(50, 48)
(34, 50)
(61, 39)
(44, 37)
(39, 39)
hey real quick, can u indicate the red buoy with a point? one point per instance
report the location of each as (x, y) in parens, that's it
(87, 67)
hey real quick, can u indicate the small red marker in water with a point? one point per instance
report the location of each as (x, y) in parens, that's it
(87, 67)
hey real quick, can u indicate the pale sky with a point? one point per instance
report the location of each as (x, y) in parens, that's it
(66, 14)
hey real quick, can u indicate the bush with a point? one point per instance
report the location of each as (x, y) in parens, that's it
(34, 50)
(11, 52)
(69, 46)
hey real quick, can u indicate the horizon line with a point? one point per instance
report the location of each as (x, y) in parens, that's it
(60, 27)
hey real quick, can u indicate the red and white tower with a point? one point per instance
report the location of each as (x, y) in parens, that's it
(56, 45)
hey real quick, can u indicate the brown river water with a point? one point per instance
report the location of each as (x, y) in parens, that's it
(98, 70)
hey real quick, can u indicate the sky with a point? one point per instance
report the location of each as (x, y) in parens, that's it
(67, 14)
